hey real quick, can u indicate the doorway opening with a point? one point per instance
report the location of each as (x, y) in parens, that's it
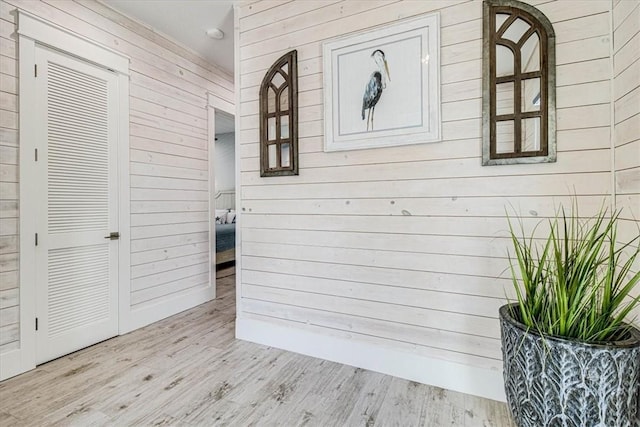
(225, 190)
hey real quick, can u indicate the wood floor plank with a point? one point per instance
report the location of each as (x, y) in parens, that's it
(9, 420)
(405, 404)
(189, 370)
(82, 417)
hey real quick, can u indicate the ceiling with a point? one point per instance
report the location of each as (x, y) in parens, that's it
(186, 21)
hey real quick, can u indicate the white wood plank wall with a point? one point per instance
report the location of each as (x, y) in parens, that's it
(9, 295)
(626, 98)
(168, 140)
(405, 247)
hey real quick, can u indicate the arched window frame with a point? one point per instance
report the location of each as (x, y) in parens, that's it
(286, 67)
(547, 112)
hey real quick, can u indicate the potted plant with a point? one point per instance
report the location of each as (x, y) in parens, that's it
(569, 357)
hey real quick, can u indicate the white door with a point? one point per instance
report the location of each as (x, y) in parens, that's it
(76, 261)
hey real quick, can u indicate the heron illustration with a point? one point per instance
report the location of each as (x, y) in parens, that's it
(377, 83)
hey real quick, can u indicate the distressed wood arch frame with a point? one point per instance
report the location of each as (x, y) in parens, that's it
(286, 67)
(492, 37)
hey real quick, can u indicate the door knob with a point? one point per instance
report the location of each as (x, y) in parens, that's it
(114, 235)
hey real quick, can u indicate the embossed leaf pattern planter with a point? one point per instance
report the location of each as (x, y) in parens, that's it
(556, 382)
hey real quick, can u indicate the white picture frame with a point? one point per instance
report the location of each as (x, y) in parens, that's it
(382, 86)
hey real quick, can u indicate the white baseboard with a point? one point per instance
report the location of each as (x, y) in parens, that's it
(11, 364)
(441, 373)
(149, 313)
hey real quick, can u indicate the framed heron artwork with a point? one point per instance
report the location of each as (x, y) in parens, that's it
(382, 86)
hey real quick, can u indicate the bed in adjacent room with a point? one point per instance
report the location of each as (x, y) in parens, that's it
(225, 227)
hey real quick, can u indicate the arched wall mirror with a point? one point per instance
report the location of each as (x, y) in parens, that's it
(279, 118)
(519, 123)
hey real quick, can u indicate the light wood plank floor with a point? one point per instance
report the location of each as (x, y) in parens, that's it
(189, 370)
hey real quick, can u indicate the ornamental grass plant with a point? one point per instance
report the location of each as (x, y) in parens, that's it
(578, 281)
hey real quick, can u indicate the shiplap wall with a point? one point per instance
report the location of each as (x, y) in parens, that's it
(9, 310)
(405, 247)
(626, 98)
(225, 161)
(168, 153)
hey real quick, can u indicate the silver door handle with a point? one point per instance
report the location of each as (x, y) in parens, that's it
(114, 235)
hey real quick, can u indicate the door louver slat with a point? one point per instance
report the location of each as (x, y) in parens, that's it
(78, 295)
(78, 139)
(77, 133)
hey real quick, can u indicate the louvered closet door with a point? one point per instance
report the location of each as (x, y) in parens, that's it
(76, 272)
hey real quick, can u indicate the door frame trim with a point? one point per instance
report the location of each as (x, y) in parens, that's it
(34, 31)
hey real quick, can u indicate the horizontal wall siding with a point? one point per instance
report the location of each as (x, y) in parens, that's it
(626, 99)
(406, 247)
(168, 152)
(9, 292)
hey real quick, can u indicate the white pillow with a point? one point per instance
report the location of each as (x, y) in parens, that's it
(231, 217)
(221, 216)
